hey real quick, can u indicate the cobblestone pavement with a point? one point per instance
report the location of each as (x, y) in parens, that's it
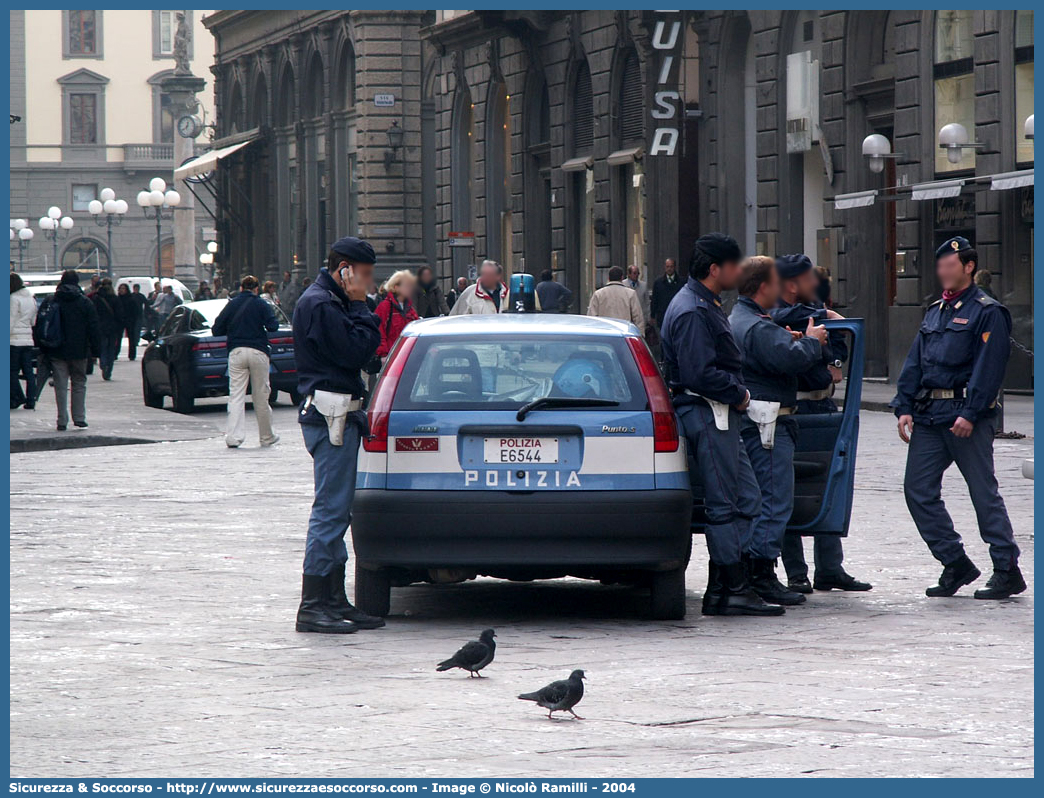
(153, 593)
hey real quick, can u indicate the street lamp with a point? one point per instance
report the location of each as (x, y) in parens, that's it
(23, 234)
(52, 226)
(157, 198)
(877, 148)
(954, 139)
(1028, 128)
(395, 137)
(113, 210)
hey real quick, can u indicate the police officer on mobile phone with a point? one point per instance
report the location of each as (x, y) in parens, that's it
(335, 335)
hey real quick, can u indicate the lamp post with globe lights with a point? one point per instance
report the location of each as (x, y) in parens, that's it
(108, 212)
(207, 258)
(23, 234)
(52, 226)
(156, 199)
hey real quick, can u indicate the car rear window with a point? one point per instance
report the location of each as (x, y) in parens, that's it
(505, 372)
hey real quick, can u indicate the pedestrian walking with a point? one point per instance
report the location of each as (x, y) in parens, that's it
(615, 300)
(666, 286)
(396, 309)
(946, 404)
(335, 336)
(23, 317)
(269, 293)
(635, 282)
(430, 301)
(772, 358)
(164, 303)
(800, 300)
(487, 295)
(67, 332)
(553, 297)
(220, 292)
(288, 292)
(246, 321)
(203, 293)
(704, 372)
(135, 320)
(110, 325)
(454, 294)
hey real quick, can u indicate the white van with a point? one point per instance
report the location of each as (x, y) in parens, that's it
(145, 286)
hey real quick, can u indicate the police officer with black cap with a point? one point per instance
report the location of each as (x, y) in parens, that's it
(800, 291)
(946, 403)
(704, 371)
(335, 335)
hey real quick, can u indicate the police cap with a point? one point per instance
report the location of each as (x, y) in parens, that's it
(955, 244)
(354, 249)
(791, 266)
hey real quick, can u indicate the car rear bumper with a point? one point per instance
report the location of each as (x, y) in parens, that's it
(646, 530)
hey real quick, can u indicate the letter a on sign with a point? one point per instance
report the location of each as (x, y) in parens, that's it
(664, 141)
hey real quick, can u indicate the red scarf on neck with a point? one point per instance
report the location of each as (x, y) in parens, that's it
(949, 296)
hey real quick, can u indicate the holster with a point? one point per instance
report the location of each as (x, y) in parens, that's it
(720, 410)
(764, 414)
(922, 400)
(334, 408)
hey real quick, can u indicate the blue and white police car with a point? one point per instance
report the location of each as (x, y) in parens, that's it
(522, 446)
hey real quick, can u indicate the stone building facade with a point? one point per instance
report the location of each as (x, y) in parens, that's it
(329, 106)
(555, 132)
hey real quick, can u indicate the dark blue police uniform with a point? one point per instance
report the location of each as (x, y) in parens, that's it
(955, 369)
(772, 358)
(701, 356)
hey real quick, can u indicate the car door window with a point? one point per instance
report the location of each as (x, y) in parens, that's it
(172, 322)
(197, 321)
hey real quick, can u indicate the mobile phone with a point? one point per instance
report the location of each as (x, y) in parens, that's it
(350, 277)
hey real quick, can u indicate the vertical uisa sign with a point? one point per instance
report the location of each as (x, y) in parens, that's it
(666, 100)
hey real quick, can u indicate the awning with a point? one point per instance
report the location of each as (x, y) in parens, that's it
(207, 161)
(940, 189)
(578, 164)
(1008, 180)
(859, 199)
(620, 157)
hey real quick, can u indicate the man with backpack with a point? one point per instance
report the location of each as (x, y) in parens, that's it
(67, 334)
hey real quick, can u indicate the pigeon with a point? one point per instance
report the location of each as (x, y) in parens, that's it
(473, 656)
(560, 696)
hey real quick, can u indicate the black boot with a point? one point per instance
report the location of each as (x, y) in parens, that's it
(343, 608)
(763, 580)
(958, 573)
(799, 584)
(1003, 584)
(841, 581)
(737, 597)
(315, 613)
(714, 595)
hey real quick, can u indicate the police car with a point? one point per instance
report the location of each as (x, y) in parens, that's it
(521, 446)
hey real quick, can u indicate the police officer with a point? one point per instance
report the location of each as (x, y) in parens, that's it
(800, 292)
(946, 402)
(335, 335)
(704, 368)
(772, 357)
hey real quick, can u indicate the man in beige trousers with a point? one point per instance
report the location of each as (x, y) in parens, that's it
(246, 321)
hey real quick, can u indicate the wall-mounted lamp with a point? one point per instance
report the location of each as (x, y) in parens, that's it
(1029, 127)
(877, 148)
(395, 137)
(954, 139)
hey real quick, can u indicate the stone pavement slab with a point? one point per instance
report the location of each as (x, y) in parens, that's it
(153, 596)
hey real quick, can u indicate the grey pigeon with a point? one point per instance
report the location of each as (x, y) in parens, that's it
(473, 656)
(560, 696)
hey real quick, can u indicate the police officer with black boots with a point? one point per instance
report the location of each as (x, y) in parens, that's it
(704, 368)
(946, 403)
(772, 359)
(335, 335)
(801, 298)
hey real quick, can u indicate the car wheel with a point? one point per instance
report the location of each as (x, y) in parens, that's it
(273, 394)
(151, 398)
(667, 600)
(372, 590)
(183, 400)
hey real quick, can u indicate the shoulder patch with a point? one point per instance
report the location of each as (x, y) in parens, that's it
(987, 300)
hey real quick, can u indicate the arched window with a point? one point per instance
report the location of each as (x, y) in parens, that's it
(313, 105)
(234, 112)
(259, 108)
(954, 82)
(461, 167)
(583, 111)
(1023, 84)
(630, 118)
(87, 254)
(344, 94)
(285, 108)
(498, 176)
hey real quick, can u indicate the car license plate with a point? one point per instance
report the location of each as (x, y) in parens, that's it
(521, 451)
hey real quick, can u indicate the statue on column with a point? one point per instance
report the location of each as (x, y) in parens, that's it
(181, 44)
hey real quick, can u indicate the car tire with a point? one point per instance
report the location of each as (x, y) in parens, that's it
(183, 402)
(667, 595)
(152, 399)
(372, 590)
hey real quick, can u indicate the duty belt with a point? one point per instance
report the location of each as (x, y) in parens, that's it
(787, 411)
(816, 396)
(353, 404)
(946, 393)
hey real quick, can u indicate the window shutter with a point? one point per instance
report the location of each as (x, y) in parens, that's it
(583, 112)
(631, 99)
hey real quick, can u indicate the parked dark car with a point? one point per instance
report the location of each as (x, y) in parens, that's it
(186, 361)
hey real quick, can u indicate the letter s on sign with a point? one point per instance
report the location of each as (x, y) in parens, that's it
(666, 110)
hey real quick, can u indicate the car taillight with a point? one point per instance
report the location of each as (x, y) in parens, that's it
(665, 426)
(285, 340)
(384, 395)
(205, 345)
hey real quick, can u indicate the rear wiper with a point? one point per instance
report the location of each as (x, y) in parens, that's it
(562, 401)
